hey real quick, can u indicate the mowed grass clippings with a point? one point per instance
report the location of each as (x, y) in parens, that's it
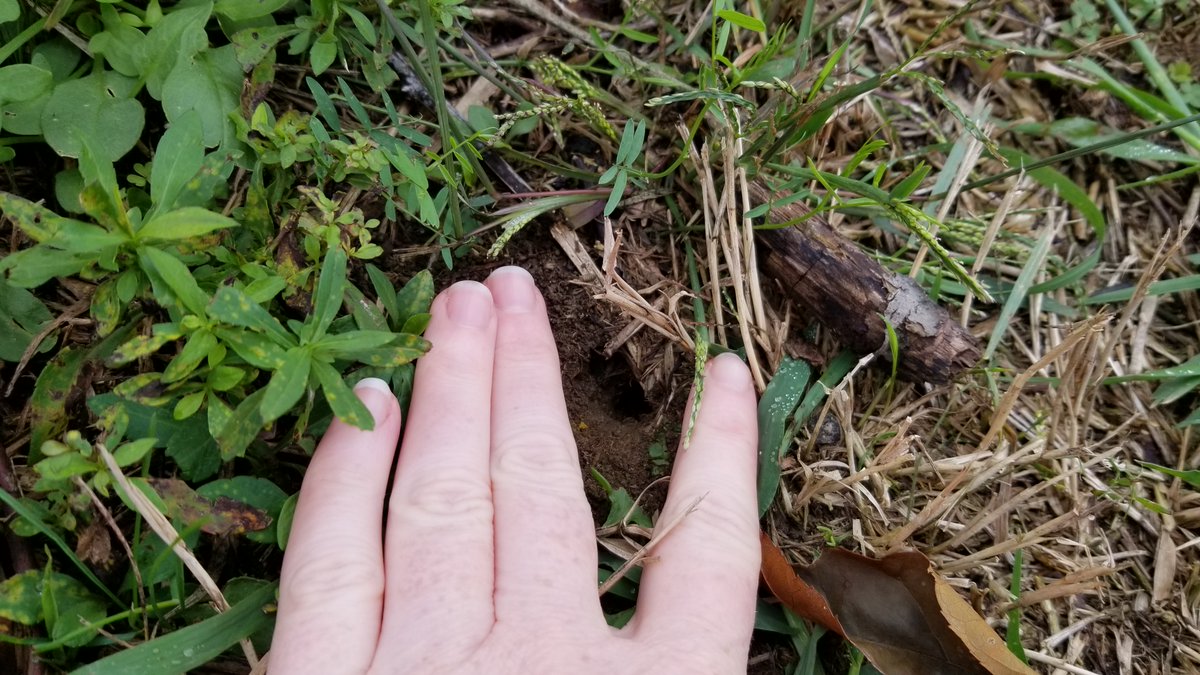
(378, 142)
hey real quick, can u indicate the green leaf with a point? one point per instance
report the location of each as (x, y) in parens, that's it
(415, 298)
(327, 298)
(416, 324)
(241, 425)
(345, 345)
(62, 467)
(410, 348)
(263, 290)
(10, 10)
(287, 384)
(73, 607)
(134, 451)
(251, 45)
(48, 403)
(24, 81)
(775, 409)
(188, 405)
(386, 292)
(176, 276)
(35, 266)
(743, 20)
(192, 447)
(259, 493)
(210, 83)
(91, 107)
(283, 526)
(341, 399)
(179, 35)
(243, 10)
(194, 351)
(323, 53)
(835, 370)
(362, 23)
(121, 45)
(618, 191)
(189, 648)
(1190, 477)
(254, 348)
(38, 222)
(22, 317)
(233, 307)
(184, 223)
(145, 345)
(367, 315)
(177, 159)
(21, 598)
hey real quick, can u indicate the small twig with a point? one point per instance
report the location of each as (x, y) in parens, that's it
(643, 553)
(169, 536)
(81, 305)
(112, 525)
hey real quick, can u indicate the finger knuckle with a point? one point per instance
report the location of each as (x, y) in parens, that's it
(311, 582)
(442, 498)
(544, 456)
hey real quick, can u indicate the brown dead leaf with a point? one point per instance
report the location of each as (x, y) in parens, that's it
(94, 545)
(795, 594)
(898, 611)
(222, 516)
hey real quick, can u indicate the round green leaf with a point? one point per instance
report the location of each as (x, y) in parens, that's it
(88, 108)
(209, 82)
(24, 81)
(10, 10)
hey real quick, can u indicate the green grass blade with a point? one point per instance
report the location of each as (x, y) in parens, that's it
(1164, 287)
(1020, 289)
(775, 409)
(1012, 634)
(191, 647)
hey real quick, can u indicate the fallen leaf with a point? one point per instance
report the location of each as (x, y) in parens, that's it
(94, 545)
(804, 600)
(221, 516)
(898, 611)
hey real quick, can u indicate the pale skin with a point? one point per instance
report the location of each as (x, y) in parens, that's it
(488, 561)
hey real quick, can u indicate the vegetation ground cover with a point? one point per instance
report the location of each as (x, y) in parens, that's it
(219, 215)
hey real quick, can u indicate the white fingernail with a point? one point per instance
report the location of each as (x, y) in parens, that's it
(374, 383)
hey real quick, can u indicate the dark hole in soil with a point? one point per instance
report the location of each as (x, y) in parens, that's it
(627, 396)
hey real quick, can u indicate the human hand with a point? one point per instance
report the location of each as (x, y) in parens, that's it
(489, 561)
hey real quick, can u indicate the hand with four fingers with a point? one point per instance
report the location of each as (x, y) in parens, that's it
(488, 562)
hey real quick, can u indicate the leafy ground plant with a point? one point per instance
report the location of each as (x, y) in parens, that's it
(219, 215)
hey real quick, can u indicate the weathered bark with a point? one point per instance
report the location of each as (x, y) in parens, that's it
(850, 293)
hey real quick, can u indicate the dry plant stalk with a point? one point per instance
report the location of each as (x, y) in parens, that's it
(169, 536)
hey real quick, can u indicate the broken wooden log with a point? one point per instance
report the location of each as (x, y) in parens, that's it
(851, 294)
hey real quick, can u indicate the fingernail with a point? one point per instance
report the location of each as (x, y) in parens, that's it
(377, 396)
(469, 304)
(728, 371)
(513, 289)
